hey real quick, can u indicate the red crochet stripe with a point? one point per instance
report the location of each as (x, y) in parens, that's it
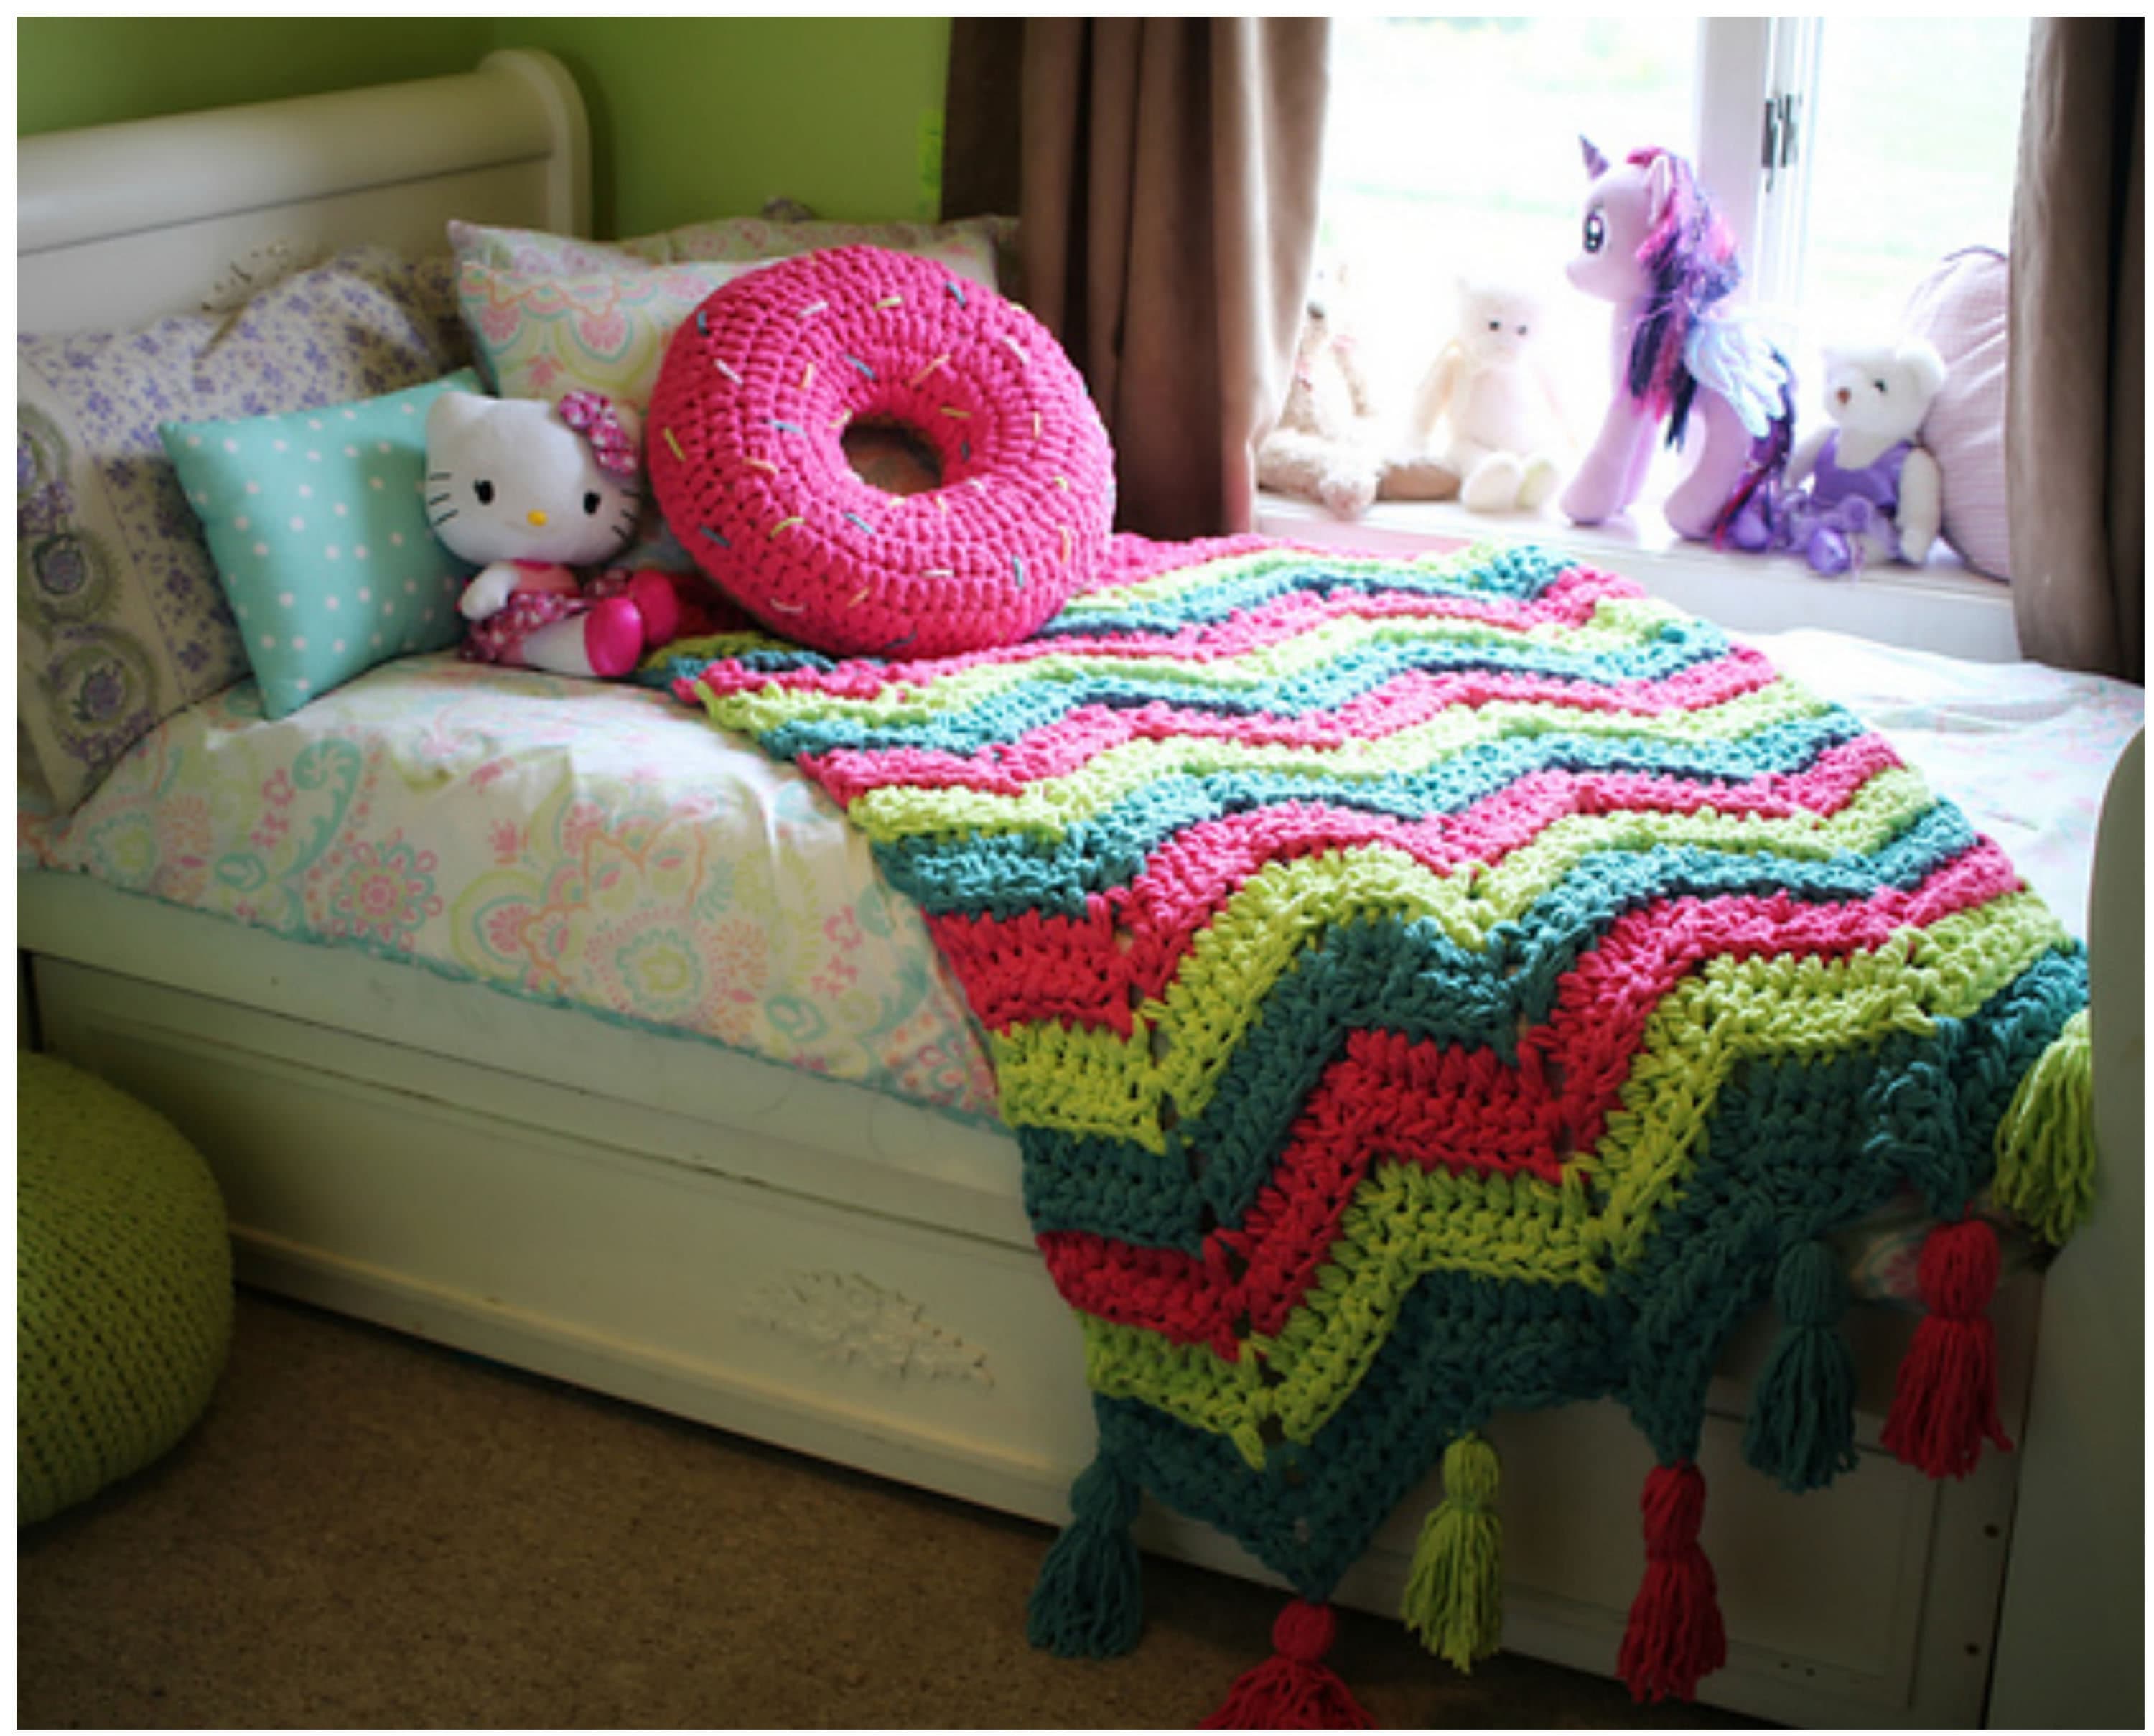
(1133, 938)
(1440, 1105)
(1411, 699)
(1570, 602)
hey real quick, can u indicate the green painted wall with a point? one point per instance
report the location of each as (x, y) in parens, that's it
(84, 72)
(694, 118)
(690, 118)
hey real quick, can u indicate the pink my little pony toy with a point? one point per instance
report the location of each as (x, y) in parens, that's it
(1653, 244)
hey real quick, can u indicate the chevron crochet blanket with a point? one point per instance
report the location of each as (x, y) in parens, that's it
(1421, 989)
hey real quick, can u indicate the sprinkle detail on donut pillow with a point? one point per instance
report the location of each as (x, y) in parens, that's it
(747, 456)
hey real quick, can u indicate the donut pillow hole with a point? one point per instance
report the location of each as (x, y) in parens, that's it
(891, 457)
(874, 458)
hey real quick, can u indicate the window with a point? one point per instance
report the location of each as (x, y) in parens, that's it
(1902, 171)
(1452, 148)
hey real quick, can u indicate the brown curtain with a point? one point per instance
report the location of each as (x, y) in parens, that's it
(2074, 413)
(1166, 175)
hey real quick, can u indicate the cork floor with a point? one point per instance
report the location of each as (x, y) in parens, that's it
(369, 1531)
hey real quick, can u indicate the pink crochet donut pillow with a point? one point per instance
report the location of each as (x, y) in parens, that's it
(744, 444)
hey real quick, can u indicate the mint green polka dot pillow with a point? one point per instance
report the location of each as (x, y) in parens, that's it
(317, 522)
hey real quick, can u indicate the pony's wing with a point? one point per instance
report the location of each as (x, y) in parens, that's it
(1735, 359)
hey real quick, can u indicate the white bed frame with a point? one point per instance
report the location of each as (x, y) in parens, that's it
(815, 1266)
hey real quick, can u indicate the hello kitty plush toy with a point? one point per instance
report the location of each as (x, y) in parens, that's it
(533, 490)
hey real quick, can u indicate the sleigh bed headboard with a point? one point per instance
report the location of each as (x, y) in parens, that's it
(118, 224)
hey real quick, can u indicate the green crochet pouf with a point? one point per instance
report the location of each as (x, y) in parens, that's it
(123, 1286)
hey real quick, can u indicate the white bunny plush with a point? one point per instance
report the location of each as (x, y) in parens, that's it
(534, 492)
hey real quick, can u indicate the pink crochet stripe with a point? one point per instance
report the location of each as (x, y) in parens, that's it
(1131, 558)
(1390, 1097)
(1569, 602)
(1411, 699)
(1080, 971)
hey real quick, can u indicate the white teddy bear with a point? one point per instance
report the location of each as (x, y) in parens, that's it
(1872, 492)
(1501, 404)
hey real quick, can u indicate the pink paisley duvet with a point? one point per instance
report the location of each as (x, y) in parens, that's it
(573, 842)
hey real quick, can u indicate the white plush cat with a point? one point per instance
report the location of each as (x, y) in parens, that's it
(534, 491)
(1488, 381)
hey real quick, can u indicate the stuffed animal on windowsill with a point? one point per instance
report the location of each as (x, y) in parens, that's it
(1865, 490)
(535, 492)
(1328, 445)
(1502, 411)
(1651, 242)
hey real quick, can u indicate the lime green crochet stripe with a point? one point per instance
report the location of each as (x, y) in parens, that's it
(1090, 1080)
(1405, 1222)
(709, 649)
(1050, 807)
(1617, 624)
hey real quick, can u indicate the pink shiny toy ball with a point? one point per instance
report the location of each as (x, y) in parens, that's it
(745, 441)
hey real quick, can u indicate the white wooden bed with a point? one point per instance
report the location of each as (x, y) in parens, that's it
(832, 1270)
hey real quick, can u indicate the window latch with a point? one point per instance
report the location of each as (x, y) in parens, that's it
(1779, 148)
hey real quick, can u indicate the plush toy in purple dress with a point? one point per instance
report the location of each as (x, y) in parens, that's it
(1845, 512)
(1864, 490)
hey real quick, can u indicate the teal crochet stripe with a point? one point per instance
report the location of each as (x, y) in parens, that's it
(1217, 590)
(967, 719)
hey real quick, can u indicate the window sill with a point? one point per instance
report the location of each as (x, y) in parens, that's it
(1941, 607)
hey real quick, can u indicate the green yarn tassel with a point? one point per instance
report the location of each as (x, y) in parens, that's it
(1454, 1598)
(1089, 1600)
(1801, 1430)
(2046, 1153)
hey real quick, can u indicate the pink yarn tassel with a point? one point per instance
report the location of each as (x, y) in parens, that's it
(1945, 1403)
(1675, 1637)
(1295, 1689)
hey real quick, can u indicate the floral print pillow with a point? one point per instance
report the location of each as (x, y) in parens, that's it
(975, 248)
(544, 335)
(119, 618)
(550, 314)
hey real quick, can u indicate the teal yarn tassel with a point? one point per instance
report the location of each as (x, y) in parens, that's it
(1801, 1430)
(1089, 1601)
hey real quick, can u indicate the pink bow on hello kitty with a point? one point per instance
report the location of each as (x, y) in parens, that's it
(592, 414)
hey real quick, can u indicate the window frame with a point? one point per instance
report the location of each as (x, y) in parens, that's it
(1744, 65)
